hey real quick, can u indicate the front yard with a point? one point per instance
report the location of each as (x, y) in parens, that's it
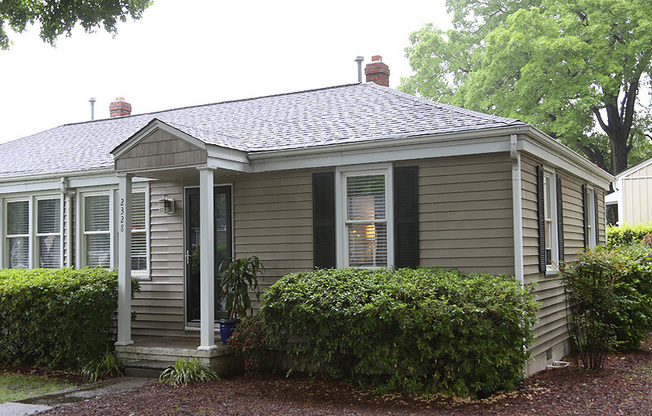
(624, 387)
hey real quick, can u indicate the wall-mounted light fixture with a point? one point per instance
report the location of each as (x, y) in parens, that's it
(166, 205)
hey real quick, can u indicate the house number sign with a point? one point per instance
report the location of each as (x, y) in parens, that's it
(122, 215)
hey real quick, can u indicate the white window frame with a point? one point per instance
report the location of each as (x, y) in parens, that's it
(591, 224)
(341, 234)
(82, 258)
(34, 219)
(32, 234)
(141, 274)
(550, 200)
(80, 255)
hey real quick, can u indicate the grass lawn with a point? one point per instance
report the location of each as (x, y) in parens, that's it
(18, 386)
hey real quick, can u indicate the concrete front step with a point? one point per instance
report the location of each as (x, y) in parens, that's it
(168, 350)
(146, 368)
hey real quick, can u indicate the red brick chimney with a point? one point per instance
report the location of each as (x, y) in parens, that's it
(377, 71)
(120, 108)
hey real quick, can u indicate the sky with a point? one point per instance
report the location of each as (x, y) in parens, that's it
(193, 52)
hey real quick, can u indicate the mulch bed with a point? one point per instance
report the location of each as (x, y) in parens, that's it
(624, 387)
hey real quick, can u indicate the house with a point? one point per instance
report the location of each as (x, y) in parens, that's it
(629, 203)
(356, 175)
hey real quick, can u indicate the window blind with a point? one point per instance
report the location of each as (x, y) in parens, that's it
(138, 232)
(49, 233)
(367, 221)
(18, 218)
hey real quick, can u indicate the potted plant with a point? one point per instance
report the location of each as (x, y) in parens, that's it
(238, 278)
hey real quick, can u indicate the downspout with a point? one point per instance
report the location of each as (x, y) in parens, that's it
(68, 226)
(517, 208)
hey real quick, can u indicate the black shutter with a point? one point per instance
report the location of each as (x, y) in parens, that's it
(597, 229)
(560, 221)
(323, 217)
(541, 219)
(406, 217)
(585, 217)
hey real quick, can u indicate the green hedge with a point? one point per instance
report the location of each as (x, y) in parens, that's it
(609, 292)
(426, 330)
(57, 318)
(627, 234)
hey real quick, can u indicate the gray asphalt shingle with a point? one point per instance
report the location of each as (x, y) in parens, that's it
(329, 116)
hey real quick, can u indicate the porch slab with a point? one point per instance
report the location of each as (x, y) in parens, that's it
(166, 350)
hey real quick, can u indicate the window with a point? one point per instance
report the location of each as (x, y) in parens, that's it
(139, 256)
(590, 217)
(97, 231)
(18, 234)
(48, 233)
(99, 247)
(550, 235)
(550, 217)
(35, 244)
(365, 219)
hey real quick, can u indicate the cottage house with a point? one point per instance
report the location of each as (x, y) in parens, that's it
(356, 175)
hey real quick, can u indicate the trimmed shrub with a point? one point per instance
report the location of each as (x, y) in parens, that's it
(627, 234)
(57, 318)
(609, 293)
(425, 330)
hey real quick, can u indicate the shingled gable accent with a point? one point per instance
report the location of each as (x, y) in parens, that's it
(159, 146)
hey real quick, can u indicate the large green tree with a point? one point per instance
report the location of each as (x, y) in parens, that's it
(58, 17)
(574, 68)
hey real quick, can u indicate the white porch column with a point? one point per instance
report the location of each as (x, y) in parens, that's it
(124, 260)
(207, 260)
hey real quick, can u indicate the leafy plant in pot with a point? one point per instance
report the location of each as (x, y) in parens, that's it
(238, 278)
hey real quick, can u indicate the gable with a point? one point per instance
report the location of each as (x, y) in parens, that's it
(158, 150)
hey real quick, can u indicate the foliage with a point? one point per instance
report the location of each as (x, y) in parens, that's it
(627, 234)
(15, 387)
(184, 371)
(427, 330)
(573, 68)
(250, 340)
(107, 365)
(60, 17)
(610, 298)
(57, 318)
(238, 277)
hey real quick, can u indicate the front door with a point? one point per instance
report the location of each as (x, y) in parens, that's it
(222, 246)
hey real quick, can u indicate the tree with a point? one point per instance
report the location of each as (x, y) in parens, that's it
(58, 17)
(573, 68)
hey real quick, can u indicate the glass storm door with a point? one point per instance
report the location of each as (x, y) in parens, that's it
(221, 246)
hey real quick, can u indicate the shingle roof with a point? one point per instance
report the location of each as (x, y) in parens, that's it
(336, 115)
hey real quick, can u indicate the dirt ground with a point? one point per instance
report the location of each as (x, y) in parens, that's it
(624, 387)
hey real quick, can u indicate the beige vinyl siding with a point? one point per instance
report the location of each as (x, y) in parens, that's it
(551, 331)
(160, 150)
(602, 219)
(273, 220)
(637, 196)
(160, 305)
(465, 213)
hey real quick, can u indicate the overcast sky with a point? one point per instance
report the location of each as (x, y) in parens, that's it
(193, 52)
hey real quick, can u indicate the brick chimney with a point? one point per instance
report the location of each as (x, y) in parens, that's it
(120, 108)
(377, 71)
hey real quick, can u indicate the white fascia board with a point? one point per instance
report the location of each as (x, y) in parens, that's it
(594, 176)
(228, 159)
(546, 148)
(150, 128)
(634, 168)
(53, 182)
(384, 151)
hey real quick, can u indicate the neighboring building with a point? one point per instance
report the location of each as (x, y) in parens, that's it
(631, 200)
(356, 175)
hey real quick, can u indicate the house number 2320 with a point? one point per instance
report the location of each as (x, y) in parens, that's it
(122, 215)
